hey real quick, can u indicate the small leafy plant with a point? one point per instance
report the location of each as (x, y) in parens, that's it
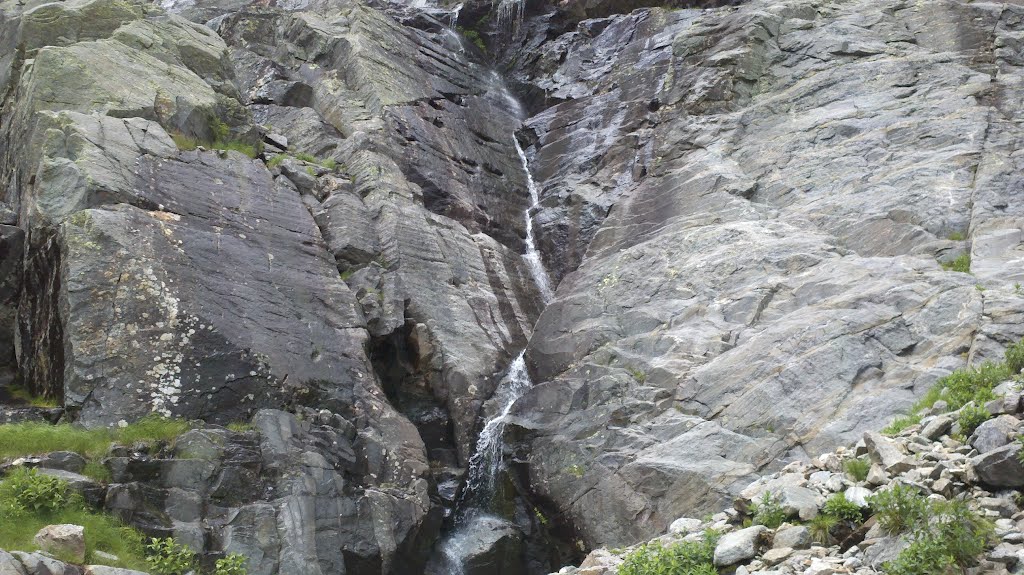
(898, 508)
(971, 416)
(768, 512)
(857, 468)
(35, 492)
(843, 509)
(948, 534)
(233, 564)
(961, 264)
(166, 557)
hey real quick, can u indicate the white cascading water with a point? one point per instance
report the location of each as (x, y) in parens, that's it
(485, 467)
(485, 464)
(532, 257)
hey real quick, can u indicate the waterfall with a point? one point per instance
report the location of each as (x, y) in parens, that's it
(532, 257)
(485, 464)
(510, 14)
(485, 467)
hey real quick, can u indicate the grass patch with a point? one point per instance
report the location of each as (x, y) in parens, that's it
(964, 386)
(20, 521)
(957, 236)
(19, 439)
(961, 264)
(240, 426)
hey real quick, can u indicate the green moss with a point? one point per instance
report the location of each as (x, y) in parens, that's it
(241, 426)
(957, 236)
(184, 142)
(474, 37)
(24, 395)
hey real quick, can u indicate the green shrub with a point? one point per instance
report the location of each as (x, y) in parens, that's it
(898, 508)
(841, 508)
(24, 511)
(949, 533)
(233, 564)
(960, 264)
(166, 557)
(683, 558)
(34, 492)
(925, 556)
(768, 512)
(1014, 358)
(820, 528)
(971, 416)
(858, 468)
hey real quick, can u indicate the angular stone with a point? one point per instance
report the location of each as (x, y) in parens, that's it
(994, 433)
(738, 546)
(792, 536)
(1000, 467)
(886, 453)
(10, 565)
(63, 540)
(937, 427)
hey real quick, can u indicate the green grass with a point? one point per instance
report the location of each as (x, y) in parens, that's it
(960, 264)
(19, 439)
(22, 394)
(19, 525)
(240, 426)
(964, 386)
(957, 236)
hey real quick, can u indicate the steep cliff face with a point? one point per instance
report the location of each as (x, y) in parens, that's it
(314, 211)
(759, 200)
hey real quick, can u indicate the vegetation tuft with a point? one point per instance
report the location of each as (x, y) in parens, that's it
(30, 501)
(964, 386)
(961, 264)
(843, 509)
(768, 511)
(858, 468)
(947, 534)
(683, 558)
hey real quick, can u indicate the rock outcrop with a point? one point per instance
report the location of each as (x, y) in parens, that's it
(770, 191)
(937, 469)
(311, 215)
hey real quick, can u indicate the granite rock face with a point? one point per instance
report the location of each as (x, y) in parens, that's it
(311, 215)
(775, 187)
